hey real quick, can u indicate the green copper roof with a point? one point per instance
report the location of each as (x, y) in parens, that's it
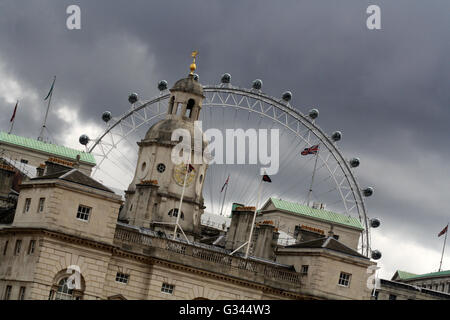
(411, 276)
(316, 213)
(49, 148)
(405, 275)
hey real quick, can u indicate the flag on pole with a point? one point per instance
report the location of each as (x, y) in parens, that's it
(311, 150)
(51, 89)
(226, 183)
(14, 113)
(266, 178)
(443, 231)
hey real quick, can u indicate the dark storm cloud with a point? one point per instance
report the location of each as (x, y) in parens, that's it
(386, 90)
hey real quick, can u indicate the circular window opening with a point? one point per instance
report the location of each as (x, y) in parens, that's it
(161, 167)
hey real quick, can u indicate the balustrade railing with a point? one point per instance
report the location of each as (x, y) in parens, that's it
(259, 267)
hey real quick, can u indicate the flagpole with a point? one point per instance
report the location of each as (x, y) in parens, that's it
(312, 179)
(443, 248)
(40, 138)
(14, 118)
(253, 222)
(181, 202)
(225, 194)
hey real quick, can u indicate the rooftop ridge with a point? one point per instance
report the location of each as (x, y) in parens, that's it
(410, 276)
(46, 147)
(320, 214)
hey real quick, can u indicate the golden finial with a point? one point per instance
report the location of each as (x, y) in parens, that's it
(193, 65)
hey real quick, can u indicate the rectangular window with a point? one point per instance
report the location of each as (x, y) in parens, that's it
(443, 287)
(167, 288)
(22, 293)
(83, 213)
(304, 270)
(26, 207)
(5, 248)
(41, 205)
(18, 246)
(392, 297)
(122, 277)
(31, 246)
(344, 279)
(7, 293)
(24, 161)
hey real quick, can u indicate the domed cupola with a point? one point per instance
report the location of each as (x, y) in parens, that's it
(161, 186)
(188, 85)
(186, 97)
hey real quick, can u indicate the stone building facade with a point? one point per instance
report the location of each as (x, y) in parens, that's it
(395, 290)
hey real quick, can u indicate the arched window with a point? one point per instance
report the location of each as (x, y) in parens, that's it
(189, 107)
(67, 286)
(174, 213)
(63, 292)
(172, 100)
(178, 108)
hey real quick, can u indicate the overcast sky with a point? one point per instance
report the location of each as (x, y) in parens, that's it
(387, 90)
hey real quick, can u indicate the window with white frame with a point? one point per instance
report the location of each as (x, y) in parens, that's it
(122, 277)
(63, 292)
(174, 213)
(41, 204)
(344, 279)
(304, 270)
(167, 288)
(27, 204)
(83, 213)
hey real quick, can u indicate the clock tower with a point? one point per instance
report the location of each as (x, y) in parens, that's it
(153, 197)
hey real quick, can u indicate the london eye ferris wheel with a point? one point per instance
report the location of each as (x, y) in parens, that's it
(326, 177)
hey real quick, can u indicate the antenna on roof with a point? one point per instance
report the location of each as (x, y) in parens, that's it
(49, 97)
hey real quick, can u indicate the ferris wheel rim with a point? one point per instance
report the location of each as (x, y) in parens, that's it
(289, 110)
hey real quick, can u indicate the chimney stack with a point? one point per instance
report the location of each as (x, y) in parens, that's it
(239, 230)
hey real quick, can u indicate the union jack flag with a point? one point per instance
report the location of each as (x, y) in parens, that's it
(311, 150)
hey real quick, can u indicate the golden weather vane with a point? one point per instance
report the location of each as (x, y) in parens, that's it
(193, 65)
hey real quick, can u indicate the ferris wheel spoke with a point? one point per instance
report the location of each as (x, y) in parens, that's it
(112, 138)
(106, 143)
(113, 178)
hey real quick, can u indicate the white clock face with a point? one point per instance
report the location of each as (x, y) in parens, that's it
(179, 172)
